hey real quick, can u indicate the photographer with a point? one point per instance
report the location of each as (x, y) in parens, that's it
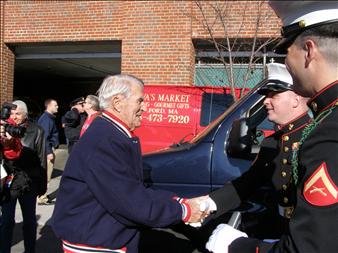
(30, 168)
(10, 147)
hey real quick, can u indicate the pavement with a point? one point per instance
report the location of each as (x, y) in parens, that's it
(151, 240)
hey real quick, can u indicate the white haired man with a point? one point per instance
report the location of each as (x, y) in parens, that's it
(102, 202)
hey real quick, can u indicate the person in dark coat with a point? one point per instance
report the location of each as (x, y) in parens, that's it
(310, 42)
(102, 201)
(32, 162)
(73, 121)
(47, 122)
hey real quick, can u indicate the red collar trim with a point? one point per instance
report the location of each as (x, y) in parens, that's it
(292, 121)
(119, 123)
(322, 90)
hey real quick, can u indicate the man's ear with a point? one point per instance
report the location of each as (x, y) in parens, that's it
(116, 103)
(311, 51)
(296, 101)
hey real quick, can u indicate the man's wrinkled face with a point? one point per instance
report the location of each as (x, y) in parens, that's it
(132, 107)
(18, 116)
(279, 105)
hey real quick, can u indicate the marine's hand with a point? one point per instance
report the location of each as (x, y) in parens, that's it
(222, 237)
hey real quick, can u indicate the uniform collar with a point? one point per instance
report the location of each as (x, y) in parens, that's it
(118, 122)
(324, 99)
(296, 123)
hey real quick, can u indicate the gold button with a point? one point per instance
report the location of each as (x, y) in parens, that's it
(291, 126)
(286, 149)
(284, 186)
(302, 24)
(286, 138)
(285, 200)
(283, 174)
(314, 106)
(285, 161)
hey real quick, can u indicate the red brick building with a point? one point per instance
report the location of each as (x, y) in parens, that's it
(44, 44)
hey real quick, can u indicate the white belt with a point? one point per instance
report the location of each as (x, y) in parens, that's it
(286, 211)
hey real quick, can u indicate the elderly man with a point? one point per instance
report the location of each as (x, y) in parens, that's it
(310, 40)
(102, 202)
(31, 167)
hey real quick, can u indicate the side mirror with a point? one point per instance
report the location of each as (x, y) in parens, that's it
(240, 140)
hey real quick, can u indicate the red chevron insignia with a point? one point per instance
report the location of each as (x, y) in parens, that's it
(319, 189)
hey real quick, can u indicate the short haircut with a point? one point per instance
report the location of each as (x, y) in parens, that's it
(116, 85)
(48, 101)
(94, 101)
(326, 38)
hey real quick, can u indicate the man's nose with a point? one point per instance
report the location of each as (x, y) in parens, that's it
(266, 101)
(143, 107)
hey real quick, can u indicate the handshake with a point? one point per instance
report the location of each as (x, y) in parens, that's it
(200, 208)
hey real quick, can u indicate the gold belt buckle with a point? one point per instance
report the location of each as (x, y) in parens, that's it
(288, 211)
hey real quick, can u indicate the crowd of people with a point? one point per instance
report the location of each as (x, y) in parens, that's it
(102, 203)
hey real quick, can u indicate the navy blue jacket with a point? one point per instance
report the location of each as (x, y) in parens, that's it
(47, 122)
(102, 200)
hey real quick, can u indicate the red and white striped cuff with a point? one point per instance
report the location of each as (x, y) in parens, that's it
(186, 210)
(69, 247)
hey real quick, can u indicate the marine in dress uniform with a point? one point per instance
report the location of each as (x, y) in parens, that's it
(273, 162)
(313, 227)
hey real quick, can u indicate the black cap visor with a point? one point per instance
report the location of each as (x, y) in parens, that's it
(284, 44)
(274, 86)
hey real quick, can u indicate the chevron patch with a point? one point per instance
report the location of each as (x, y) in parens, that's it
(319, 189)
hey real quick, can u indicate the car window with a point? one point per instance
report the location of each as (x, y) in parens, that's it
(213, 105)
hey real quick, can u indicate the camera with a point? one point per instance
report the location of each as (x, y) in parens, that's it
(15, 131)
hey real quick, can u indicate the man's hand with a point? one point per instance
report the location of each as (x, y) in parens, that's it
(222, 237)
(201, 207)
(50, 157)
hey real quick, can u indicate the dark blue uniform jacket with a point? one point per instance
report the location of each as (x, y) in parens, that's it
(102, 200)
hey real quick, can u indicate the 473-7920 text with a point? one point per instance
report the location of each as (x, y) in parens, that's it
(179, 119)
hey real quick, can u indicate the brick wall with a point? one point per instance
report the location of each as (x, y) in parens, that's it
(6, 64)
(157, 41)
(156, 35)
(241, 18)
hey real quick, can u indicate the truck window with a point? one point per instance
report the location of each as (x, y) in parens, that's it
(213, 105)
(257, 113)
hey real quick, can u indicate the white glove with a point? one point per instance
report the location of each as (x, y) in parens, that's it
(222, 237)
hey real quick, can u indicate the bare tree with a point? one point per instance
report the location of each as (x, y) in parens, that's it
(228, 43)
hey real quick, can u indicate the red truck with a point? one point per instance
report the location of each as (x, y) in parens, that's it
(178, 113)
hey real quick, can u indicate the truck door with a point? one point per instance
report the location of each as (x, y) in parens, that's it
(227, 166)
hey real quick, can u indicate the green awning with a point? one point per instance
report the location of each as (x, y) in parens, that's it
(217, 76)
